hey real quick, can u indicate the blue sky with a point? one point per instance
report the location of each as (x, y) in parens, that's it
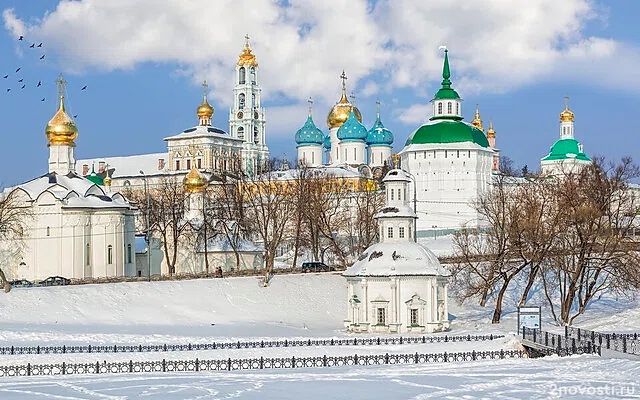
(142, 63)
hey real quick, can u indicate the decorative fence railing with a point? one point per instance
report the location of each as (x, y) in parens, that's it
(150, 348)
(628, 343)
(250, 363)
(552, 343)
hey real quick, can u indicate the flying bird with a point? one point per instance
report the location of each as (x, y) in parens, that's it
(84, 88)
(8, 90)
(42, 99)
(32, 45)
(6, 76)
(39, 84)
(42, 58)
(75, 116)
(40, 45)
(23, 86)
(18, 69)
(21, 80)
(21, 37)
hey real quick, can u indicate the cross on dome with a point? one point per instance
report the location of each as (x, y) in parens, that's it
(310, 101)
(378, 108)
(61, 85)
(344, 78)
(353, 98)
(205, 86)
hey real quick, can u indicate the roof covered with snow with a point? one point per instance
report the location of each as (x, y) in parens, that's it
(324, 171)
(396, 259)
(402, 211)
(200, 131)
(128, 166)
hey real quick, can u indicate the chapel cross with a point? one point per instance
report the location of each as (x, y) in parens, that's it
(205, 86)
(310, 101)
(344, 80)
(61, 84)
(566, 102)
(378, 107)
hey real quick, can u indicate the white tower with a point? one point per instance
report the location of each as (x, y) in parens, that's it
(61, 132)
(247, 117)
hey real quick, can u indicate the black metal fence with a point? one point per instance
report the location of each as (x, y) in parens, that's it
(552, 343)
(154, 348)
(251, 363)
(628, 343)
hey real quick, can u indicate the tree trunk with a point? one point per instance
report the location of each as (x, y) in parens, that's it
(527, 289)
(4, 281)
(485, 290)
(497, 312)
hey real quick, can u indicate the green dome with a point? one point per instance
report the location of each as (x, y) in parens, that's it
(444, 131)
(565, 149)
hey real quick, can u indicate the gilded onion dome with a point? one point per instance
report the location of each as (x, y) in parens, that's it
(195, 182)
(567, 115)
(247, 57)
(477, 121)
(61, 130)
(205, 110)
(491, 133)
(340, 112)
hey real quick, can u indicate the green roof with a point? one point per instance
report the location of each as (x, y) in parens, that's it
(565, 149)
(445, 131)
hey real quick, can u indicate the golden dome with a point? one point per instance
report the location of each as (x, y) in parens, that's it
(61, 129)
(247, 57)
(477, 121)
(194, 182)
(491, 133)
(567, 115)
(205, 110)
(340, 112)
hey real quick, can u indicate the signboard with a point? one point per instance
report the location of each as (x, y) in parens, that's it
(529, 317)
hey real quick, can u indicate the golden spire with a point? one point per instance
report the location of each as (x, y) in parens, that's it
(205, 111)
(340, 112)
(566, 115)
(107, 178)
(247, 57)
(396, 160)
(61, 130)
(477, 121)
(490, 132)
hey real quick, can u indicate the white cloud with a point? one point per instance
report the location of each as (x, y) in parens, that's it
(414, 114)
(303, 45)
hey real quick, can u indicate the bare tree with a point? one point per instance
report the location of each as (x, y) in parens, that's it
(14, 217)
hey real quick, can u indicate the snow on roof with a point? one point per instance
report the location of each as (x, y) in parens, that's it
(72, 189)
(128, 166)
(222, 244)
(333, 171)
(397, 175)
(396, 259)
(403, 211)
(202, 131)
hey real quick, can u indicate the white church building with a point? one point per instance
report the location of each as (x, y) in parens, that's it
(397, 285)
(74, 228)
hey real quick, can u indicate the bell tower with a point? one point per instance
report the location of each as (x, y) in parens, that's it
(247, 117)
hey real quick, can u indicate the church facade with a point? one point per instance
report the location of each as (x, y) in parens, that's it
(75, 228)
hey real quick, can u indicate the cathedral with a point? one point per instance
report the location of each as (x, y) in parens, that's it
(75, 227)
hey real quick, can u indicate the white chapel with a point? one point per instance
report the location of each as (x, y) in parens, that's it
(397, 285)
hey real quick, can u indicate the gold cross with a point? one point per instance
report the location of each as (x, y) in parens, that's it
(61, 84)
(344, 79)
(246, 40)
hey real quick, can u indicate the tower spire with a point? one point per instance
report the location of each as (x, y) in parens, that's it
(61, 87)
(446, 72)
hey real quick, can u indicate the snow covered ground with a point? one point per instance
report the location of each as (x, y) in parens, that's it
(292, 307)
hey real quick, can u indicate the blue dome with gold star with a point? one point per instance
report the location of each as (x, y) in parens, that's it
(378, 135)
(352, 130)
(309, 134)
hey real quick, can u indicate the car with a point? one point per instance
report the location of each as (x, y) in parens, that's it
(315, 267)
(21, 283)
(56, 281)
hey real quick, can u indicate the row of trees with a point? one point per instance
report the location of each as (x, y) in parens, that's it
(318, 214)
(571, 236)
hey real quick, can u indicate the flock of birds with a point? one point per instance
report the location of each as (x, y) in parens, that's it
(21, 83)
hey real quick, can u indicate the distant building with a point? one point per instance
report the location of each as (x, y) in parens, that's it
(79, 229)
(397, 285)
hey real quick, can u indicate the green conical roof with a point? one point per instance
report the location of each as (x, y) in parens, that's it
(95, 178)
(446, 92)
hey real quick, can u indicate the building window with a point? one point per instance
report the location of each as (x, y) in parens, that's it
(392, 191)
(242, 75)
(188, 164)
(446, 154)
(240, 133)
(109, 254)
(199, 162)
(252, 74)
(129, 253)
(439, 108)
(87, 255)
(390, 232)
(313, 158)
(177, 165)
(256, 136)
(381, 316)
(241, 101)
(401, 232)
(458, 153)
(48, 231)
(414, 317)
(449, 108)
(253, 101)
(354, 154)
(457, 108)
(410, 233)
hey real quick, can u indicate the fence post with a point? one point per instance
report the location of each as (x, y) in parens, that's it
(473, 355)
(445, 356)
(355, 359)
(416, 358)
(573, 345)
(229, 365)
(115, 348)
(164, 365)
(64, 368)
(38, 350)
(491, 337)
(501, 354)
(534, 335)
(324, 360)
(197, 365)
(262, 362)
(386, 358)
(546, 338)
(566, 331)
(98, 367)
(446, 338)
(624, 344)
(89, 348)
(64, 349)
(12, 350)
(608, 342)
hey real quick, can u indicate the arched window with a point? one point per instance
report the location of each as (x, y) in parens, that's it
(188, 164)
(242, 76)
(177, 165)
(109, 254)
(401, 232)
(241, 101)
(129, 253)
(87, 254)
(449, 108)
(199, 162)
(392, 191)
(253, 100)
(439, 108)
(256, 136)
(390, 232)
(240, 132)
(457, 108)
(252, 74)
